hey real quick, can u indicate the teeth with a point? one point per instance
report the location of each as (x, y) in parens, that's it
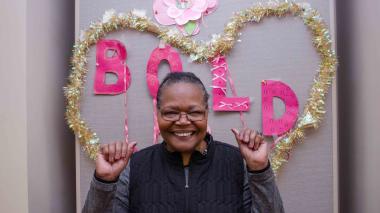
(183, 134)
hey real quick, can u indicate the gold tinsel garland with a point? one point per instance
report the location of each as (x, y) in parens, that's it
(201, 52)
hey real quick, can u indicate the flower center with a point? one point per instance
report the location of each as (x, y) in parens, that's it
(183, 4)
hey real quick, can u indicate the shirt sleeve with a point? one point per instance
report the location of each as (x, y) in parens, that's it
(261, 193)
(108, 197)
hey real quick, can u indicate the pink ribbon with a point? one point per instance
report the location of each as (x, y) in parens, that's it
(125, 109)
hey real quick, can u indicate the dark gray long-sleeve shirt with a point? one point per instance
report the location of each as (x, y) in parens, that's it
(260, 194)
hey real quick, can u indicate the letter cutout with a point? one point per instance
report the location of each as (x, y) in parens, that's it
(269, 90)
(173, 58)
(220, 74)
(115, 64)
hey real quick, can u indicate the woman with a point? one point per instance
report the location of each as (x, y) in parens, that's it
(189, 171)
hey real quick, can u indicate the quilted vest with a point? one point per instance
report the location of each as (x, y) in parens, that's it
(214, 185)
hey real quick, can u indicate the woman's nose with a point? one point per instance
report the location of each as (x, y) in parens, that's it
(183, 119)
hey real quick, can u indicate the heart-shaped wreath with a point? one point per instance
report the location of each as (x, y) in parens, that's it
(201, 52)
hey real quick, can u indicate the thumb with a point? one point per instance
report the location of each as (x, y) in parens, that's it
(131, 147)
(236, 134)
(235, 131)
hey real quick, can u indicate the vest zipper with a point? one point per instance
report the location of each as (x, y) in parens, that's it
(187, 171)
(186, 178)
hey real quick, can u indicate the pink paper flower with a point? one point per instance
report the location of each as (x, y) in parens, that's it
(186, 14)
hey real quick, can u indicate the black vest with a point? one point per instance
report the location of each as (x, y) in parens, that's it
(215, 184)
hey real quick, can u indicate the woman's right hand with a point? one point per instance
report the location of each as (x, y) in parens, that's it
(112, 159)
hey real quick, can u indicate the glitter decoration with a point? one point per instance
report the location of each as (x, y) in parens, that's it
(202, 52)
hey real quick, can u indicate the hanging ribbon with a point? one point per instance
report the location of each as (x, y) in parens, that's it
(125, 109)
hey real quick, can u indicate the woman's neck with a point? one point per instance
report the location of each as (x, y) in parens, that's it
(186, 156)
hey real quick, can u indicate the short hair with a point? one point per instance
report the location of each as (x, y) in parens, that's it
(181, 77)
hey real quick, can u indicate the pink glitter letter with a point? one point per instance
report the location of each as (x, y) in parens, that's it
(114, 63)
(172, 57)
(269, 90)
(219, 91)
(157, 55)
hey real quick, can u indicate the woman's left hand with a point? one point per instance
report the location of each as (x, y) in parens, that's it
(253, 148)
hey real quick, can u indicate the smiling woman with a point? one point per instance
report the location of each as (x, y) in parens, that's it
(189, 171)
(183, 94)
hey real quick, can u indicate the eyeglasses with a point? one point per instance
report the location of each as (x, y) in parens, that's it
(171, 115)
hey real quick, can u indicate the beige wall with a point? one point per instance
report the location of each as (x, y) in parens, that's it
(51, 161)
(36, 154)
(359, 104)
(37, 163)
(13, 121)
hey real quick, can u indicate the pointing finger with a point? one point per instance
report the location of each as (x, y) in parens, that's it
(241, 135)
(246, 133)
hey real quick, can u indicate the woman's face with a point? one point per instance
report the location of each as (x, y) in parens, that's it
(182, 135)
